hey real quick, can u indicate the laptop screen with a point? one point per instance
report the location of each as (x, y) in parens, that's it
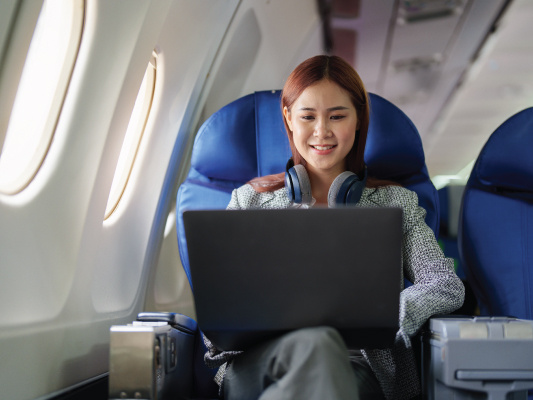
(259, 273)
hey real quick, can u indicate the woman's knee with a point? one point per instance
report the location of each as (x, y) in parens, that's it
(316, 334)
(315, 339)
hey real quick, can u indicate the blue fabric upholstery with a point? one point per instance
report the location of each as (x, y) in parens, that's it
(247, 138)
(242, 140)
(496, 226)
(394, 151)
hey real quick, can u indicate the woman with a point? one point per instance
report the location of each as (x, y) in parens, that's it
(326, 113)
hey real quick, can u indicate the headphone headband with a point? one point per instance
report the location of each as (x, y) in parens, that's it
(347, 188)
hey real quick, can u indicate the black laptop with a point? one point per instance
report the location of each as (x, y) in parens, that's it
(257, 274)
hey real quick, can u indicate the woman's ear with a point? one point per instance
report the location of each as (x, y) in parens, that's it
(287, 115)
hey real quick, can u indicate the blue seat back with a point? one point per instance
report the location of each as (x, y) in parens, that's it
(394, 152)
(247, 138)
(496, 223)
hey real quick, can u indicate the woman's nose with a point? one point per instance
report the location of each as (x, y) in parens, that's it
(322, 129)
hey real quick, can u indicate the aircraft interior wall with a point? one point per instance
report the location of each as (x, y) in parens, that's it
(245, 63)
(67, 274)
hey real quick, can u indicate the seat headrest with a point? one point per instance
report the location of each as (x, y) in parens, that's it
(505, 163)
(387, 154)
(226, 147)
(225, 150)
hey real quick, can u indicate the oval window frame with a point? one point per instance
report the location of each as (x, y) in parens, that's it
(18, 163)
(133, 137)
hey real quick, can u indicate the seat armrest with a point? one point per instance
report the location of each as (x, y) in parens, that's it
(477, 354)
(176, 320)
(153, 357)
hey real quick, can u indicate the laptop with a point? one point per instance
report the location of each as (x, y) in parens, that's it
(257, 274)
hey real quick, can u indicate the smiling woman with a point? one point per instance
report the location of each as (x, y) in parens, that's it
(326, 110)
(345, 90)
(323, 123)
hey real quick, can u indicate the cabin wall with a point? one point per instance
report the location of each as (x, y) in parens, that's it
(66, 274)
(258, 52)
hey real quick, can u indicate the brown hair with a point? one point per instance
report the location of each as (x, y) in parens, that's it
(308, 73)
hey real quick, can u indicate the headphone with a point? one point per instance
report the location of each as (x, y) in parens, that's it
(346, 189)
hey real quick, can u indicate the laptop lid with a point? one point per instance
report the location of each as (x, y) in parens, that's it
(260, 273)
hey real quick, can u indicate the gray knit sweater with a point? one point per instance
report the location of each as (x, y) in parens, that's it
(436, 288)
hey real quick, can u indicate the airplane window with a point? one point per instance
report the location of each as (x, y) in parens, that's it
(41, 91)
(132, 140)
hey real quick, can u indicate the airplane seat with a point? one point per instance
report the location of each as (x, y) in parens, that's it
(247, 138)
(496, 223)
(495, 239)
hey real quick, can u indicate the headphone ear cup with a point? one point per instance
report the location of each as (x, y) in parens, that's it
(339, 187)
(298, 185)
(347, 188)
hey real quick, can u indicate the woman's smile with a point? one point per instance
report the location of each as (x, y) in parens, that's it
(323, 149)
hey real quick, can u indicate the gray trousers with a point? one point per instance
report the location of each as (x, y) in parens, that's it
(310, 363)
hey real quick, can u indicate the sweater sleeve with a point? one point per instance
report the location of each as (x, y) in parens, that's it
(234, 203)
(245, 197)
(436, 288)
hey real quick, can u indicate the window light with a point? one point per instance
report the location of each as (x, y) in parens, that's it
(41, 92)
(132, 140)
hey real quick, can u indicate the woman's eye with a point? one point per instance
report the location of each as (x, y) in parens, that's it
(307, 117)
(337, 117)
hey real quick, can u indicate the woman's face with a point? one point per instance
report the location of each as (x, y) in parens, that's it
(323, 122)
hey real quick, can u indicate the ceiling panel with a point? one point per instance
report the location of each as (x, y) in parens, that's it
(455, 75)
(498, 85)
